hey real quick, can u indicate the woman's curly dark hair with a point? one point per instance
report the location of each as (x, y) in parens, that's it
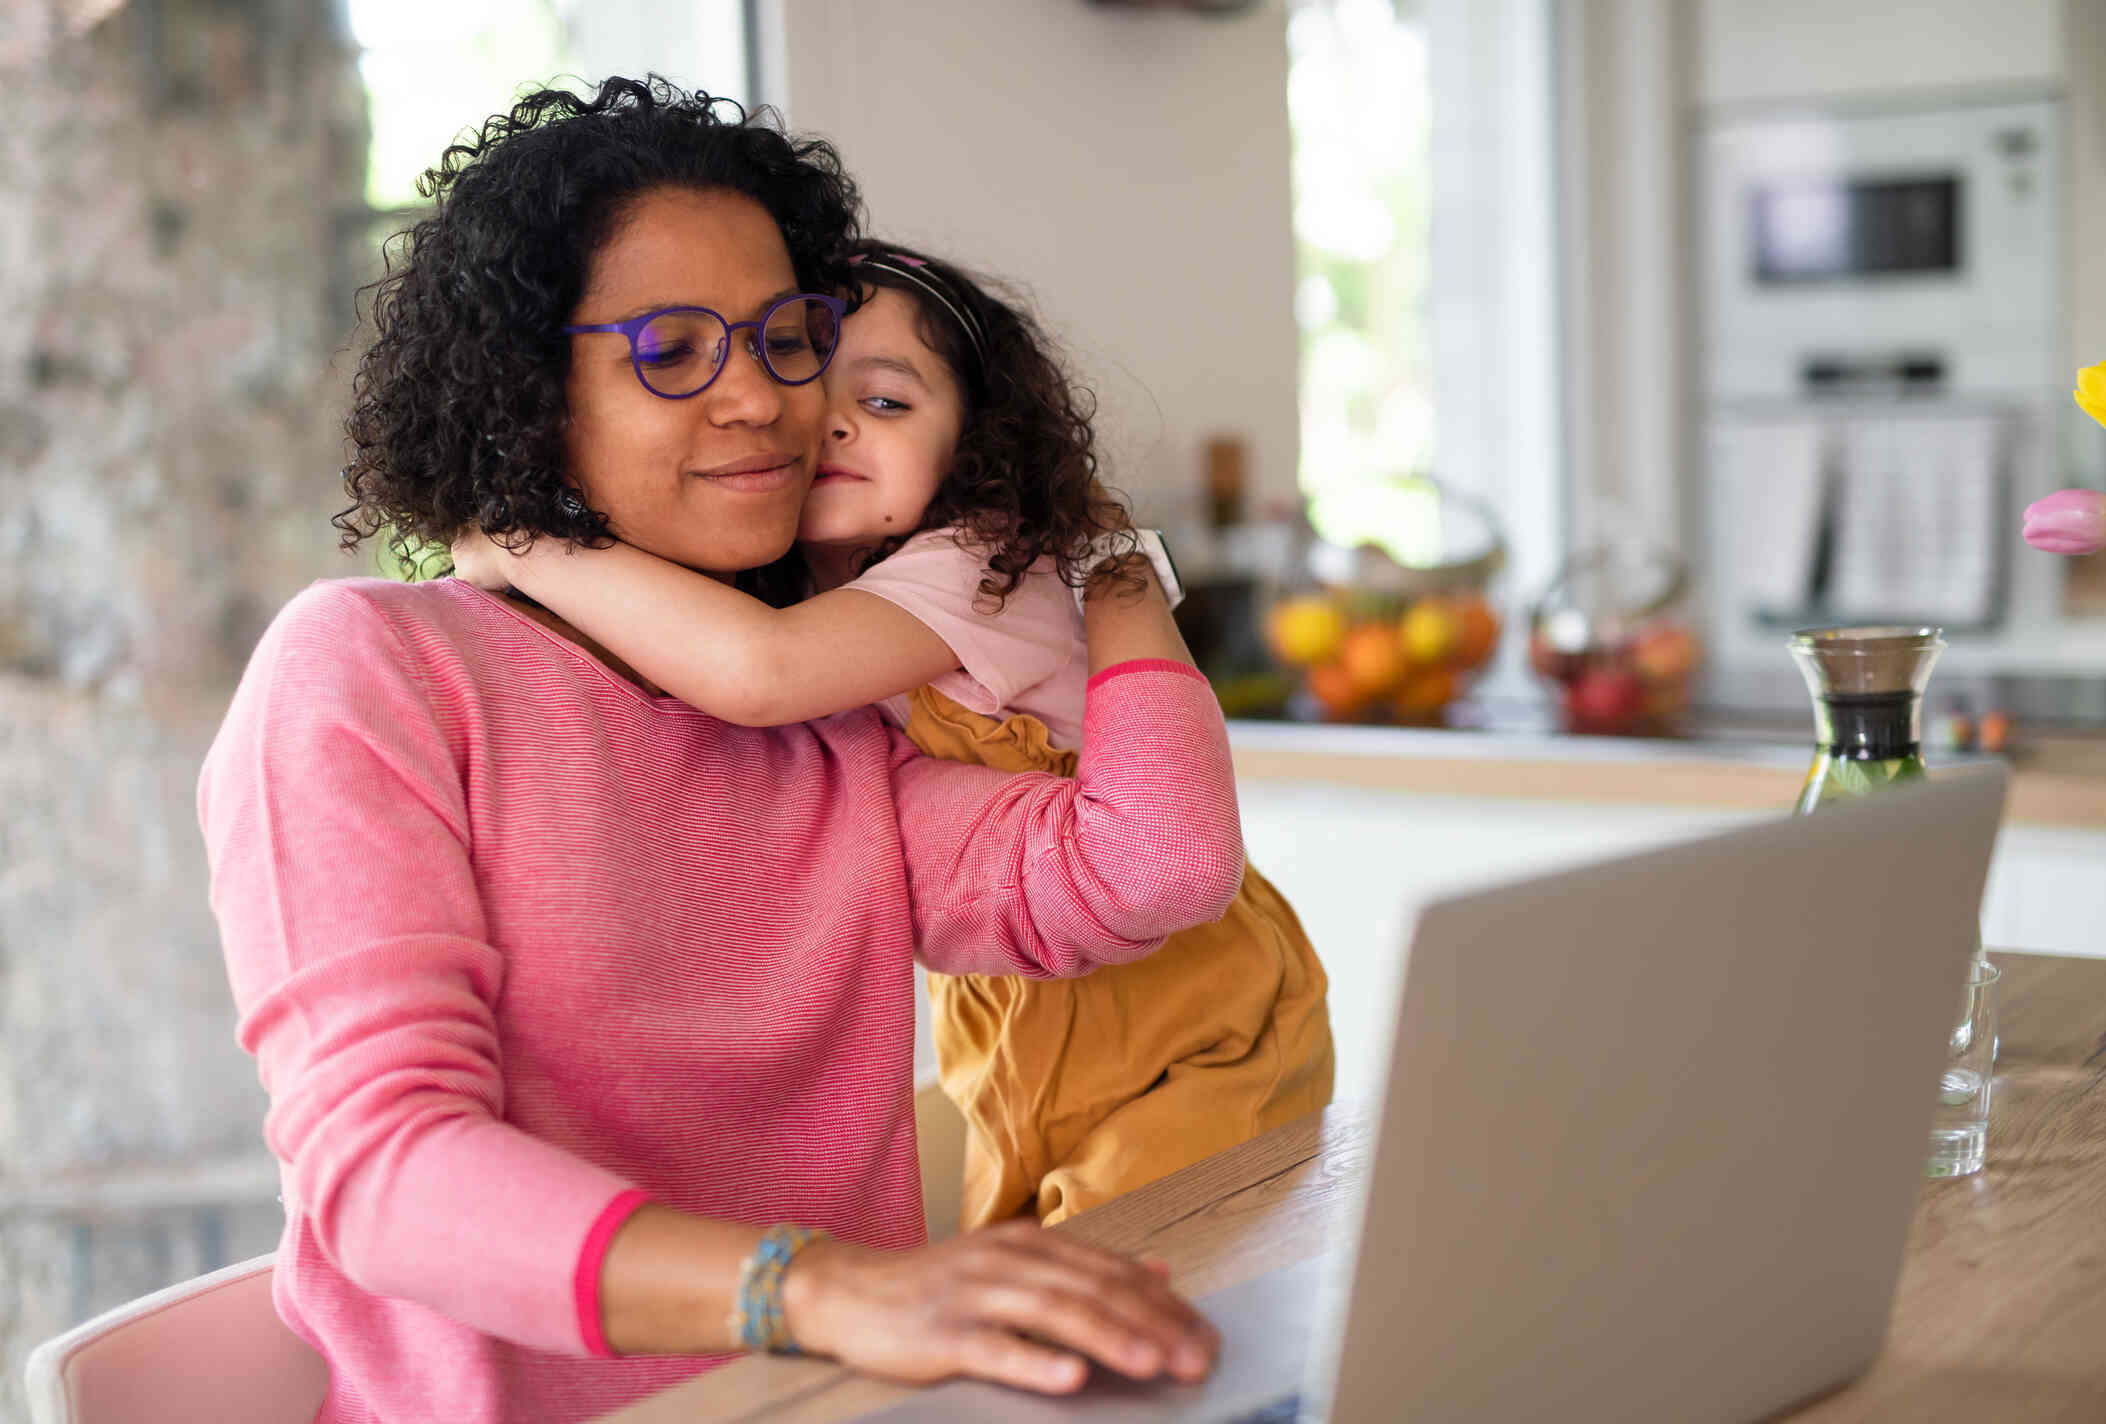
(1023, 483)
(458, 406)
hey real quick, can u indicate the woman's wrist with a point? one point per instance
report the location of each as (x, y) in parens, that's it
(811, 1288)
(759, 1320)
(668, 1282)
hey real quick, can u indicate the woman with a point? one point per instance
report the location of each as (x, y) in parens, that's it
(573, 1002)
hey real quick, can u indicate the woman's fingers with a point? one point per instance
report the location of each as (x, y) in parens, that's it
(991, 1354)
(1077, 1322)
(1146, 1277)
(1014, 1304)
(1163, 1331)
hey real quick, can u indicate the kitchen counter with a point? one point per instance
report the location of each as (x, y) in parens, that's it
(2058, 779)
(1356, 823)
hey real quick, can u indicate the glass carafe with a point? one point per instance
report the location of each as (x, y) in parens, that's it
(1867, 686)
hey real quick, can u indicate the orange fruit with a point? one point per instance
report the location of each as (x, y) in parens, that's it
(1425, 693)
(1372, 658)
(1333, 688)
(1663, 653)
(1479, 631)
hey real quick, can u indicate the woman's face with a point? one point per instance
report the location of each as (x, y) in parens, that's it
(716, 481)
(893, 416)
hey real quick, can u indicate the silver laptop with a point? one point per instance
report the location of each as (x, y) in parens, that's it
(1649, 1145)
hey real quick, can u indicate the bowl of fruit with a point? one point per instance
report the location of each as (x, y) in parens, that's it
(1611, 636)
(1391, 632)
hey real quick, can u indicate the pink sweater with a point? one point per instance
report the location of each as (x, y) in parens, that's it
(517, 946)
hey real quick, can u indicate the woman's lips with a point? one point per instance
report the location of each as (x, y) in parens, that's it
(757, 474)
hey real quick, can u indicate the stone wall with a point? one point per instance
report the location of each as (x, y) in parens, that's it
(182, 227)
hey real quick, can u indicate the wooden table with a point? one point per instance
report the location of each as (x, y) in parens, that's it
(2001, 1310)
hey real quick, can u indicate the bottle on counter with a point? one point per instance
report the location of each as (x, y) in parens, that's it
(1867, 687)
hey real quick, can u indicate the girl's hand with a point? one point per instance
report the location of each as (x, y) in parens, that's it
(482, 561)
(1015, 1304)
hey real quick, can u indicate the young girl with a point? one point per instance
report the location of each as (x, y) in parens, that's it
(954, 515)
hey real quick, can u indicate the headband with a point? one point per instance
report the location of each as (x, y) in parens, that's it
(914, 269)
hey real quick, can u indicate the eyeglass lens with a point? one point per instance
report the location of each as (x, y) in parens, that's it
(680, 352)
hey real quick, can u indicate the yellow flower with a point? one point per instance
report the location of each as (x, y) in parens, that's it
(2091, 391)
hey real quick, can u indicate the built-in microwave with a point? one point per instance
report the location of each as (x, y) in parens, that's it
(1917, 248)
(1883, 366)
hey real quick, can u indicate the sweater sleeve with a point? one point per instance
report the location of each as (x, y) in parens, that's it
(1050, 877)
(337, 829)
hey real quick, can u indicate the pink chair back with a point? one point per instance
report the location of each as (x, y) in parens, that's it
(207, 1351)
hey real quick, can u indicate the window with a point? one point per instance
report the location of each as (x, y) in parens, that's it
(1358, 100)
(435, 70)
(1425, 222)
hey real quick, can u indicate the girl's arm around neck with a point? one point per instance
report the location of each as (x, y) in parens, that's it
(725, 651)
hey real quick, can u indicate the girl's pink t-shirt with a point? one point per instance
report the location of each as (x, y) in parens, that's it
(518, 947)
(1028, 657)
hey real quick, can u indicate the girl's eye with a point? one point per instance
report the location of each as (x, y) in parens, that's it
(885, 405)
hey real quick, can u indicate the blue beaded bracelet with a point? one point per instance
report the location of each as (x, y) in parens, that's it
(757, 1319)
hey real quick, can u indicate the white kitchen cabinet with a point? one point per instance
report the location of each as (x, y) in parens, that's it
(2047, 891)
(1354, 861)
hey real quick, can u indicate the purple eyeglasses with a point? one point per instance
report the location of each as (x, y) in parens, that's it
(678, 351)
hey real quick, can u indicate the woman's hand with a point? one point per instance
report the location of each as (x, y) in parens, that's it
(482, 561)
(1015, 1304)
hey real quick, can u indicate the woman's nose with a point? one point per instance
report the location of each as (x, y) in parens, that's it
(743, 392)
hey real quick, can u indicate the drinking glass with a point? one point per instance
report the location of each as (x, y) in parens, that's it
(1961, 1125)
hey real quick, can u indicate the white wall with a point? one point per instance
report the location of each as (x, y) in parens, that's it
(2084, 106)
(1128, 167)
(1757, 51)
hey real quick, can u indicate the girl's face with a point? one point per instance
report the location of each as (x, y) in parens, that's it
(717, 481)
(893, 416)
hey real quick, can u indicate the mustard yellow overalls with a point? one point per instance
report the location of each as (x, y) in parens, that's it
(1075, 1090)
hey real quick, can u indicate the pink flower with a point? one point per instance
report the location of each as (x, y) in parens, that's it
(2071, 521)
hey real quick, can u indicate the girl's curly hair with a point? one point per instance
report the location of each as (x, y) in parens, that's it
(458, 406)
(1023, 483)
